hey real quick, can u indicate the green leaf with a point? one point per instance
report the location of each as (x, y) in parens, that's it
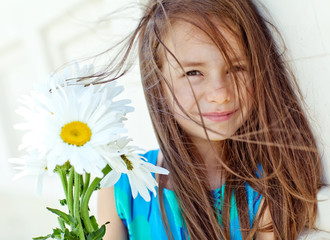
(98, 234)
(61, 223)
(63, 202)
(66, 218)
(70, 235)
(42, 238)
(57, 234)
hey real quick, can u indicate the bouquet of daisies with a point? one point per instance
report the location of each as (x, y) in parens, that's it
(75, 129)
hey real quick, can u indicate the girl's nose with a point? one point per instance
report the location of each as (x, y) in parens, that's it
(219, 92)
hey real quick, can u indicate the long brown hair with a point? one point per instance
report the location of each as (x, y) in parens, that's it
(276, 136)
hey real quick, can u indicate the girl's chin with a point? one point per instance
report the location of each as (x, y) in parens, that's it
(213, 137)
(219, 136)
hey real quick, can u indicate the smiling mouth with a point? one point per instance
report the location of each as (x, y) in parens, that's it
(219, 116)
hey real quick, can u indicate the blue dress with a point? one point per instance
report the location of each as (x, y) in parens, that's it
(143, 219)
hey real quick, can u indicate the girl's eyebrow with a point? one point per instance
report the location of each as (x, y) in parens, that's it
(192, 64)
(236, 59)
(201, 64)
(187, 64)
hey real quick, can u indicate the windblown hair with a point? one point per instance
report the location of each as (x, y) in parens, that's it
(276, 136)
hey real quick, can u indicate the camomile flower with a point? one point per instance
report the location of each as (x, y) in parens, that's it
(31, 165)
(125, 160)
(74, 127)
(70, 121)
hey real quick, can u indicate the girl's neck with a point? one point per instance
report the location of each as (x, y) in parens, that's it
(212, 157)
(209, 151)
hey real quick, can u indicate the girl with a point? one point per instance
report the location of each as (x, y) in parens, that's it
(227, 115)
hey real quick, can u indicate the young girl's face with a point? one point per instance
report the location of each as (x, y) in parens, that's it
(224, 105)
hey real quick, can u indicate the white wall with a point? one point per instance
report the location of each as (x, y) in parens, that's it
(39, 36)
(305, 26)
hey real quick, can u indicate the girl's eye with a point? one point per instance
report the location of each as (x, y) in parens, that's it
(237, 68)
(193, 73)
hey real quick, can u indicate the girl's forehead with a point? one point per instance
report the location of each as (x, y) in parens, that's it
(182, 36)
(188, 31)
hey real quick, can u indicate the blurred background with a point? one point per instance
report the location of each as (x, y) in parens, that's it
(39, 36)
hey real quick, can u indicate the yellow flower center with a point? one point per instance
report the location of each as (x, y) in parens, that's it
(129, 164)
(76, 133)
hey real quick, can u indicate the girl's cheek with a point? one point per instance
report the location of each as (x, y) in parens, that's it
(186, 100)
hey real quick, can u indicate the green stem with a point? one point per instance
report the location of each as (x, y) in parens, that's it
(81, 184)
(86, 184)
(64, 182)
(69, 197)
(76, 204)
(86, 197)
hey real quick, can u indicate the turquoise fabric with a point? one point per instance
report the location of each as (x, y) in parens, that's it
(143, 219)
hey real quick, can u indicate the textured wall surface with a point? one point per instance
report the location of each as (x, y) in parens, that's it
(305, 27)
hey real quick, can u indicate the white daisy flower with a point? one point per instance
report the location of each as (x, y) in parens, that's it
(31, 165)
(70, 121)
(126, 160)
(74, 127)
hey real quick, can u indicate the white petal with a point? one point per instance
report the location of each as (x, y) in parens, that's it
(141, 188)
(133, 187)
(110, 179)
(155, 169)
(57, 102)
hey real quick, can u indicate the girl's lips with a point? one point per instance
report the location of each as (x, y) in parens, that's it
(219, 116)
